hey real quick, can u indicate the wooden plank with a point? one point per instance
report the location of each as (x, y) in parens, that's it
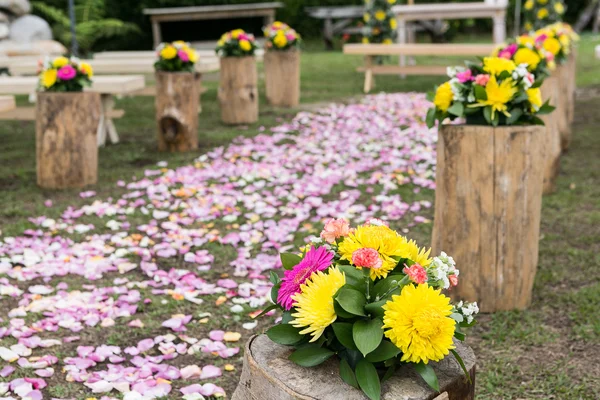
(123, 84)
(208, 9)
(420, 49)
(448, 10)
(409, 69)
(28, 114)
(335, 12)
(7, 103)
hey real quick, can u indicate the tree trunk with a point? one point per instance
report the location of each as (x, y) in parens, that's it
(238, 93)
(487, 210)
(177, 111)
(282, 78)
(551, 146)
(269, 375)
(65, 140)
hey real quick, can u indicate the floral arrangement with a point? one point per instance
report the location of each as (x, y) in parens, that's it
(281, 36)
(539, 13)
(178, 56)
(556, 40)
(494, 92)
(523, 50)
(380, 23)
(236, 43)
(64, 74)
(371, 297)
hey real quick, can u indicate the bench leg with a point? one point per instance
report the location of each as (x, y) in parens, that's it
(368, 74)
(106, 127)
(402, 40)
(328, 34)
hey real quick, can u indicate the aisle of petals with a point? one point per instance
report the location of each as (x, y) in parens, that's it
(198, 238)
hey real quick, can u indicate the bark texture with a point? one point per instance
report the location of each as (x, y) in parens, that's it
(487, 210)
(564, 101)
(238, 93)
(177, 102)
(550, 91)
(65, 141)
(269, 375)
(282, 78)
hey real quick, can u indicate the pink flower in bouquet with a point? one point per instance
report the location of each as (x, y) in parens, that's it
(335, 228)
(66, 73)
(183, 56)
(541, 38)
(509, 51)
(530, 78)
(290, 36)
(453, 280)
(315, 260)
(464, 76)
(367, 258)
(549, 57)
(482, 79)
(243, 36)
(416, 273)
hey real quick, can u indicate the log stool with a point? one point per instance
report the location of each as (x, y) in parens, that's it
(552, 143)
(238, 92)
(269, 375)
(282, 77)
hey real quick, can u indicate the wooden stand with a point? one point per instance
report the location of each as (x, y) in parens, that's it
(65, 141)
(282, 78)
(269, 375)
(570, 88)
(238, 93)
(177, 102)
(487, 210)
(563, 75)
(550, 91)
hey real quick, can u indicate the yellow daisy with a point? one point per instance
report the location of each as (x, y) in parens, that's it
(498, 95)
(48, 78)
(60, 62)
(443, 97)
(497, 65)
(169, 52)
(552, 45)
(527, 56)
(535, 98)
(380, 15)
(245, 45)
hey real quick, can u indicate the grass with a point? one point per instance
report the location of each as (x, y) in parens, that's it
(549, 351)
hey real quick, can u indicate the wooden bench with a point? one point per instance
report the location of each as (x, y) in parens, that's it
(107, 86)
(7, 103)
(175, 14)
(370, 51)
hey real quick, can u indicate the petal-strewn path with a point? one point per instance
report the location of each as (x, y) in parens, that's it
(152, 294)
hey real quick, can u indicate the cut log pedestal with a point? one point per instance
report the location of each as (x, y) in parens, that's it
(552, 148)
(282, 78)
(563, 75)
(65, 141)
(269, 375)
(238, 92)
(177, 102)
(571, 88)
(487, 210)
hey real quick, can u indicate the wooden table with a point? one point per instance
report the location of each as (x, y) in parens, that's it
(173, 14)
(345, 16)
(7, 103)
(108, 86)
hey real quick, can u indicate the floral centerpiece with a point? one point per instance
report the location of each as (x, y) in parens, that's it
(236, 43)
(178, 56)
(380, 22)
(281, 36)
(494, 92)
(524, 50)
(539, 13)
(557, 40)
(63, 74)
(371, 297)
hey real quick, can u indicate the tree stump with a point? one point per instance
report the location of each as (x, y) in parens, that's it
(269, 375)
(571, 88)
(564, 102)
(487, 210)
(238, 93)
(550, 91)
(177, 102)
(282, 78)
(65, 139)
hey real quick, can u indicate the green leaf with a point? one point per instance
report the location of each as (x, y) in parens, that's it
(368, 380)
(343, 333)
(340, 312)
(546, 108)
(290, 260)
(347, 374)
(384, 285)
(286, 317)
(480, 93)
(388, 374)
(351, 300)
(428, 374)
(515, 114)
(274, 278)
(353, 276)
(462, 365)
(374, 309)
(487, 114)
(367, 335)
(275, 292)
(384, 351)
(459, 335)
(457, 109)
(310, 356)
(430, 118)
(430, 96)
(266, 310)
(284, 334)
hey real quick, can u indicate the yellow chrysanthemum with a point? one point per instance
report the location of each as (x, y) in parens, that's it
(542, 13)
(535, 98)
(169, 52)
(497, 65)
(236, 33)
(542, 2)
(388, 244)
(393, 23)
(559, 8)
(391, 2)
(528, 26)
(60, 62)
(387, 41)
(365, 40)
(245, 45)
(380, 15)
(526, 40)
(527, 56)
(498, 95)
(314, 303)
(418, 322)
(192, 55)
(528, 4)
(87, 69)
(552, 45)
(280, 40)
(366, 17)
(48, 78)
(443, 97)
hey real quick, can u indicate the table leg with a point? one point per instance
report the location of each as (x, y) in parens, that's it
(269, 18)
(402, 40)
(328, 34)
(368, 74)
(106, 126)
(499, 20)
(101, 131)
(156, 34)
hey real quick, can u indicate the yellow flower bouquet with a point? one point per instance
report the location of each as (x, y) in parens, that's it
(556, 41)
(236, 43)
(63, 74)
(379, 22)
(281, 36)
(178, 56)
(539, 13)
(372, 298)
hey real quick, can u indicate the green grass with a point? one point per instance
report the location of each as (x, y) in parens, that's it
(548, 351)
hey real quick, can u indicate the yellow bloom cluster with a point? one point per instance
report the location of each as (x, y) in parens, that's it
(179, 48)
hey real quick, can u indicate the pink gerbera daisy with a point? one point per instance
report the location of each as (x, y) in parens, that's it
(314, 260)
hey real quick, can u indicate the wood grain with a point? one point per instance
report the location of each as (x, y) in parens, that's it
(238, 92)
(552, 148)
(282, 78)
(563, 75)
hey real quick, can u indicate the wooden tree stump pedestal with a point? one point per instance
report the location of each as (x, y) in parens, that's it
(65, 139)
(552, 147)
(282, 77)
(177, 102)
(238, 92)
(269, 375)
(563, 104)
(570, 88)
(487, 210)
